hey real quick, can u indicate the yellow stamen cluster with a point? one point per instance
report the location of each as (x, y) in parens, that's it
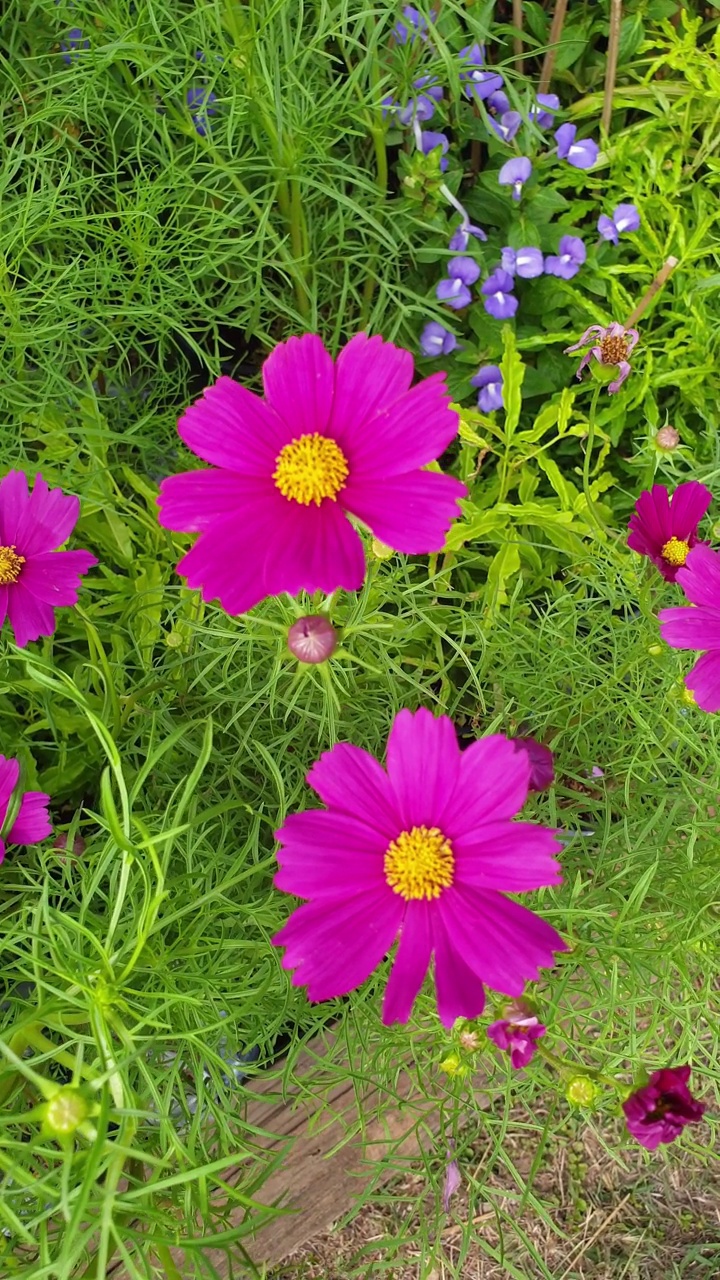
(10, 565)
(675, 551)
(310, 469)
(613, 350)
(419, 863)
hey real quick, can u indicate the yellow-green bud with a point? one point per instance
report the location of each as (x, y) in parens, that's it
(452, 1065)
(65, 1113)
(381, 550)
(581, 1091)
(655, 650)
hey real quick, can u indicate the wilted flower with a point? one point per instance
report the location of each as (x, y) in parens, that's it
(411, 25)
(697, 626)
(527, 262)
(421, 108)
(543, 113)
(514, 173)
(200, 103)
(423, 851)
(331, 438)
(542, 769)
(499, 300)
(436, 340)
(35, 578)
(664, 528)
(31, 822)
(507, 125)
(569, 259)
(624, 218)
(490, 381)
(312, 639)
(659, 1111)
(428, 141)
(581, 155)
(517, 1036)
(72, 45)
(612, 346)
(477, 82)
(460, 237)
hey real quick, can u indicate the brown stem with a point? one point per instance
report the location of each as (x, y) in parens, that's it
(517, 11)
(553, 41)
(668, 266)
(611, 65)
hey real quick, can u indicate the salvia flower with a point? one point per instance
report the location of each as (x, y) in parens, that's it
(26, 822)
(624, 218)
(517, 1036)
(582, 154)
(611, 346)
(478, 82)
(498, 299)
(697, 626)
(72, 45)
(507, 125)
(330, 439)
(514, 173)
(424, 852)
(542, 769)
(659, 1111)
(420, 108)
(664, 527)
(411, 26)
(428, 141)
(527, 262)
(460, 237)
(436, 340)
(542, 113)
(312, 639)
(570, 257)
(36, 578)
(489, 379)
(200, 102)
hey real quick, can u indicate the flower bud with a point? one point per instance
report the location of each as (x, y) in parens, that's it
(312, 639)
(64, 1113)
(667, 438)
(581, 1091)
(655, 650)
(381, 550)
(469, 1041)
(452, 1066)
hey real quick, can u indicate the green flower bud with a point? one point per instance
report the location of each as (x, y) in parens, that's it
(581, 1091)
(64, 1113)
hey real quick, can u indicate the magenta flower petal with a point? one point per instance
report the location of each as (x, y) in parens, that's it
(664, 528)
(194, 500)
(511, 856)
(501, 941)
(423, 759)
(13, 501)
(335, 944)
(542, 768)
(700, 576)
(411, 513)
(493, 784)
(9, 776)
(703, 680)
(410, 965)
(658, 1112)
(352, 781)
(299, 380)
(47, 521)
(370, 377)
(517, 1037)
(2, 850)
(232, 428)
(460, 992)
(414, 430)
(693, 627)
(53, 577)
(327, 853)
(33, 822)
(29, 617)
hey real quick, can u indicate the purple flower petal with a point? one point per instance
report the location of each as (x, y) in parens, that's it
(490, 382)
(514, 173)
(581, 155)
(465, 269)
(454, 293)
(542, 114)
(607, 228)
(507, 126)
(626, 218)
(436, 340)
(430, 140)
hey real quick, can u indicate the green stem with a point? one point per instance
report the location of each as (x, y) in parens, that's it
(298, 240)
(568, 1069)
(592, 512)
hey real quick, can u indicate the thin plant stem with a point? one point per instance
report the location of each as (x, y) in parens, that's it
(611, 65)
(553, 40)
(517, 11)
(588, 454)
(661, 278)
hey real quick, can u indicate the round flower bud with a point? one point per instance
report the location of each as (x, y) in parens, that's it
(381, 550)
(469, 1041)
(64, 1113)
(312, 639)
(581, 1091)
(667, 438)
(452, 1065)
(655, 650)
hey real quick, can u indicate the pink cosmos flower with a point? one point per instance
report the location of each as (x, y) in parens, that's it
(664, 527)
(698, 626)
(31, 822)
(660, 1110)
(35, 578)
(331, 439)
(424, 851)
(517, 1037)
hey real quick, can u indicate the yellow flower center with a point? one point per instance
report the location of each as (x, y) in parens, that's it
(310, 469)
(10, 565)
(675, 551)
(613, 350)
(419, 863)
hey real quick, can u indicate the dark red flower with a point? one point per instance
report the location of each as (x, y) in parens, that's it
(542, 772)
(659, 1111)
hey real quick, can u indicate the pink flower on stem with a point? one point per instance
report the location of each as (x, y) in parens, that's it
(23, 818)
(697, 626)
(517, 1036)
(659, 1111)
(330, 439)
(611, 346)
(422, 851)
(664, 527)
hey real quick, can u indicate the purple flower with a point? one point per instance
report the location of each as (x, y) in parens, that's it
(461, 236)
(500, 301)
(454, 293)
(507, 126)
(542, 769)
(477, 82)
(414, 25)
(514, 173)
(517, 1037)
(581, 155)
(612, 345)
(541, 113)
(429, 141)
(569, 259)
(200, 103)
(453, 1179)
(421, 108)
(72, 45)
(436, 340)
(624, 218)
(697, 626)
(498, 102)
(490, 381)
(527, 262)
(659, 1111)
(465, 269)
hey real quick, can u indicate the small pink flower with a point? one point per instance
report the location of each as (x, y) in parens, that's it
(542, 769)
(697, 626)
(659, 1111)
(31, 822)
(36, 578)
(664, 527)
(423, 851)
(312, 639)
(330, 440)
(517, 1037)
(611, 346)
